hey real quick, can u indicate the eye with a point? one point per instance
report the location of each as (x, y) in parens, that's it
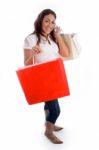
(53, 23)
(46, 20)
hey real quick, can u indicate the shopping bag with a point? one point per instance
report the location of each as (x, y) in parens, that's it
(73, 46)
(44, 82)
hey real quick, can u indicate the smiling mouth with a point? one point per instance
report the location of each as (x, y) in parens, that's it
(49, 29)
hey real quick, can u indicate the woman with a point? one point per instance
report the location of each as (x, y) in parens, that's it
(45, 44)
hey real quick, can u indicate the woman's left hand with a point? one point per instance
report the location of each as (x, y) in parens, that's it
(57, 30)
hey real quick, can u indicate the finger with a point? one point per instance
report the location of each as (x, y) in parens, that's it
(37, 46)
(57, 29)
(37, 50)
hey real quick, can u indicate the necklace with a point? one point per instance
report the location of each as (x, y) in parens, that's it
(45, 38)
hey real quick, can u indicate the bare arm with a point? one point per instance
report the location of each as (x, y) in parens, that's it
(63, 48)
(28, 57)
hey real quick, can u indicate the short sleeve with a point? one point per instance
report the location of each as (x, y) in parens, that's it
(30, 41)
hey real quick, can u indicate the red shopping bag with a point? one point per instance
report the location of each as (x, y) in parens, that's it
(43, 82)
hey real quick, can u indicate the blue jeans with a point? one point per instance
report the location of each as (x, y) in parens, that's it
(54, 110)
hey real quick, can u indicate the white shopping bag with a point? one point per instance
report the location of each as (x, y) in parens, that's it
(73, 45)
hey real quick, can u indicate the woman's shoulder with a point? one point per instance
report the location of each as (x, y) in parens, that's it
(30, 41)
(31, 36)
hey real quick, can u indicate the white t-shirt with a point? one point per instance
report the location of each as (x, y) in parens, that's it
(49, 51)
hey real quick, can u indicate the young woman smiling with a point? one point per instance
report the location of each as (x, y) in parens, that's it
(46, 44)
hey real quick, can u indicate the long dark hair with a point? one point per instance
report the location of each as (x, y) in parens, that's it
(38, 24)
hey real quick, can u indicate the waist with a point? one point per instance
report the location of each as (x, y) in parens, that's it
(43, 57)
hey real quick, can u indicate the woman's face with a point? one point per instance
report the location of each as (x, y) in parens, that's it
(48, 24)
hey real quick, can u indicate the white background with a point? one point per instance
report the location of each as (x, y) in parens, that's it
(22, 125)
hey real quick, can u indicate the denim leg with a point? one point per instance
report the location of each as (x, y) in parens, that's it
(45, 106)
(54, 110)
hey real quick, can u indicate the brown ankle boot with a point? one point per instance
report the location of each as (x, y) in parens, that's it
(49, 133)
(56, 128)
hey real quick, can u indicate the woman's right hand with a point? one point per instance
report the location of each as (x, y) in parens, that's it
(36, 50)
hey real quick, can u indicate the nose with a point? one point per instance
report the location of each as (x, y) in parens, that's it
(51, 26)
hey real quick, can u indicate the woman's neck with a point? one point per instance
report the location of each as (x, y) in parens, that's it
(45, 35)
